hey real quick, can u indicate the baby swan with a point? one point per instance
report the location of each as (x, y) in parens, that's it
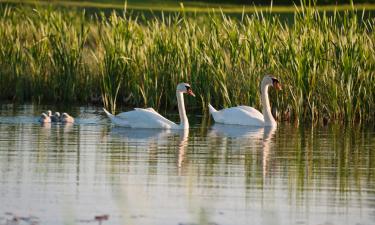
(65, 118)
(44, 118)
(56, 117)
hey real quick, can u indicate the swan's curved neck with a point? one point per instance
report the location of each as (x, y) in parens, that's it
(268, 118)
(184, 123)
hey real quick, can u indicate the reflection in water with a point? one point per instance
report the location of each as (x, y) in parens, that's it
(267, 136)
(216, 175)
(236, 131)
(151, 138)
(46, 126)
(67, 127)
(142, 135)
(182, 145)
(247, 136)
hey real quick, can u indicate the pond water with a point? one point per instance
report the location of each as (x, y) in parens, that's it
(211, 174)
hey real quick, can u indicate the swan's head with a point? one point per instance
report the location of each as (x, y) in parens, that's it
(185, 88)
(49, 113)
(57, 114)
(43, 116)
(271, 80)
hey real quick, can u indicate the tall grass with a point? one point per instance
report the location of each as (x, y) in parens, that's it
(325, 62)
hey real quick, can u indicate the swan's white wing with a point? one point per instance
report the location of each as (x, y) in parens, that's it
(137, 109)
(157, 115)
(254, 112)
(239, 116)
(146, 118)
(149, 109)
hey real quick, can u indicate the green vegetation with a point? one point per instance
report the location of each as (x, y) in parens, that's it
(232, 7)
(326, 63)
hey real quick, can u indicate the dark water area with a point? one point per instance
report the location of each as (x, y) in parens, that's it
(210, 174)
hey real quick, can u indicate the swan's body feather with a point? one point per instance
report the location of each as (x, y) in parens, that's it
(240, 115)
(142, 118)
(251, 110)
(149, 109)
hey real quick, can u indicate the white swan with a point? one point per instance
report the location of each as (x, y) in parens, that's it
(55, 117)
(44, 118)
(248, 116)
(66, 118)
(149, 118)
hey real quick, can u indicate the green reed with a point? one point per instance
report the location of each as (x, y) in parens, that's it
(325, 62)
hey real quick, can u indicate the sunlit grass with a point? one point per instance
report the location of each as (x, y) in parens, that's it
(326, 63)
(193, 6)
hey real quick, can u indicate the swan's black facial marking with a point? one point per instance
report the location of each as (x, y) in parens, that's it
(187, 87)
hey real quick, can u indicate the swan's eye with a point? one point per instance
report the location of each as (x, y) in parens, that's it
(187, 88)
(274, 80)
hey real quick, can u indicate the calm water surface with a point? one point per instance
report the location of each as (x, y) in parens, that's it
(68, 174)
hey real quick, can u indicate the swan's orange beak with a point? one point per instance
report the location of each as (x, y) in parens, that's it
(190, 92)
(276, 84)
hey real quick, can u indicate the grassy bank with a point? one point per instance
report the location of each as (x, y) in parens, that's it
(326, 63)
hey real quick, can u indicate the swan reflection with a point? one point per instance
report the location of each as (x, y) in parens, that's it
(242, 132)
(237, 136)
(151, 138)
(267, 140)
(160, 136)
(45, 126)
(182, 145)
(67, 127)
(45, 129)
(236, 131)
